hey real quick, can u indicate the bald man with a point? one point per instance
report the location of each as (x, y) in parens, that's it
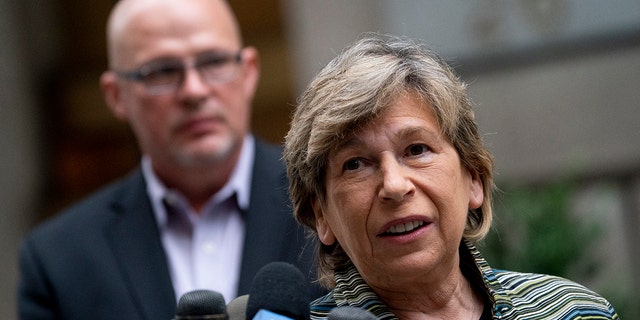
(208, 205)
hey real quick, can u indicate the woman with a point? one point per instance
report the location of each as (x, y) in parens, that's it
(388, 170)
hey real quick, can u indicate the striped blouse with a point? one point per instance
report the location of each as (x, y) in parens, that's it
(512, 295)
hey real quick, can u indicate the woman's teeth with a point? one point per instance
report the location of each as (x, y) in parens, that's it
(405, 227)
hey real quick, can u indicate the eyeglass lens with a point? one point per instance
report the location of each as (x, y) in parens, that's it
(168, 74)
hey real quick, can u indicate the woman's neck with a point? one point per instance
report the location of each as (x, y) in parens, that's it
(453, 298)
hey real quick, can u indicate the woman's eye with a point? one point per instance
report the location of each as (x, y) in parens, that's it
(417, 149)
(352, 164)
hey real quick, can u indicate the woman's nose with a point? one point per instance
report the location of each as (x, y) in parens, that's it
(396, 180)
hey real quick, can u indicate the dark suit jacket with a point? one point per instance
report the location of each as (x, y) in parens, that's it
(103, 257)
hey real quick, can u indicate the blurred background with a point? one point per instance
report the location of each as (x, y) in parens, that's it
(556, 84)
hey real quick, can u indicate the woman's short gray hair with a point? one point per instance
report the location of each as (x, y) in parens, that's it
(350, 91)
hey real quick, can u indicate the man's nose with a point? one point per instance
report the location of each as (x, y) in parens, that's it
(192, 83)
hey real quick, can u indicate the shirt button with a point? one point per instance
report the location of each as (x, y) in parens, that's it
(209, 247)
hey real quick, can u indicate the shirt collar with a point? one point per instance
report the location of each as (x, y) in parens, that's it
(239, 182)
(482, 275)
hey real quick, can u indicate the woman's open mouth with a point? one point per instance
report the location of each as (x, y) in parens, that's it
(403, 228)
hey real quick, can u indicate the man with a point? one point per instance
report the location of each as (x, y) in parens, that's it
(208, 206)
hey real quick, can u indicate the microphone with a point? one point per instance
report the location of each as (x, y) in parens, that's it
(280, 291)
(268, 315)
(237, 308)
(350, 313)
(200, 305)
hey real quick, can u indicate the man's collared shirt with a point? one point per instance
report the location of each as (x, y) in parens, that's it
(204, 251)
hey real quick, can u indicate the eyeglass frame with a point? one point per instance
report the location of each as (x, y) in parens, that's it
(139, 74)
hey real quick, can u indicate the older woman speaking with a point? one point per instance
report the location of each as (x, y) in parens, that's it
(388, 170)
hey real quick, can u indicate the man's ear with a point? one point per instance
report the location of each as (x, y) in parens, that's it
(112, 95)
(325, 234)
(250, 71)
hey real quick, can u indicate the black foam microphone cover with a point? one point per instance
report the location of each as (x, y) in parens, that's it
(350, 313)
(281, 288)
(201, 304)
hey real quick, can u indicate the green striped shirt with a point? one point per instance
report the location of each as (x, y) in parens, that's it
(513, 295)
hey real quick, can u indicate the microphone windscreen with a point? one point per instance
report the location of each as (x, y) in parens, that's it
(350, 313)
(237, 308)
(281, 288)
(201, 304)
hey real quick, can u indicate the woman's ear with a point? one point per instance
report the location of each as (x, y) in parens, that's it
(325, 234)
(476, 191)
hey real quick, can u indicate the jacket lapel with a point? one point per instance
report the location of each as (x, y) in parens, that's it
(268, 221)
(135, 240)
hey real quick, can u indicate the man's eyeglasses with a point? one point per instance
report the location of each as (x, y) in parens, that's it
(166, 75)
